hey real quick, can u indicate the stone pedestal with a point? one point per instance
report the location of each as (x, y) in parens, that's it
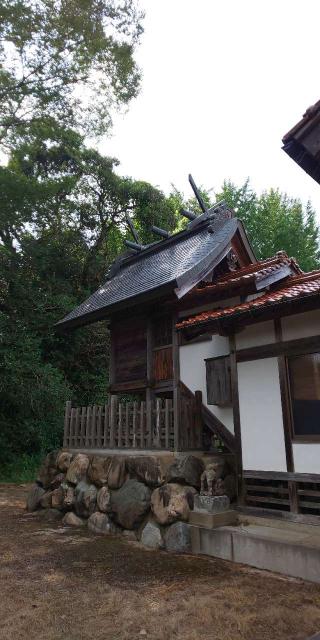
(212, 511)
(212, 520)
(211, 504)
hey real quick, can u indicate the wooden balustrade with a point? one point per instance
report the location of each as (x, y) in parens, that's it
(120, 425)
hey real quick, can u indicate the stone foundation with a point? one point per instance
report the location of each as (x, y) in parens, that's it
(142, 497)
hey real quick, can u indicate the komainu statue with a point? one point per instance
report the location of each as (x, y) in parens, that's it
(211, 482)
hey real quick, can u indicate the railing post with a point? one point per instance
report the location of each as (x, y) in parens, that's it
(134, 424)
(94, 426)
(167, 423)
(158, 423)
(113, 419)
(119, 434)
(88, 427)
(83, 426)
(198, 419)
(106, 427)
(149, 426)
(127, 429)
(142, 423)
(176, 416)
(66, 432)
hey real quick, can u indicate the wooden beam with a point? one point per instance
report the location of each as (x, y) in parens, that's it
(131, 385)
(285, 401)
(236, 415)
(224, 325)
(280, 515)
(282, 475)
(275, 349)
(217, 427)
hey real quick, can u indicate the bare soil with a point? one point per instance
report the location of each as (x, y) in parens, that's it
(64, 583)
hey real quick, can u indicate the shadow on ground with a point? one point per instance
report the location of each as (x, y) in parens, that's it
(65, 583)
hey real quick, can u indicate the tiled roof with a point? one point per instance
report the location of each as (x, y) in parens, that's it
(297, 287)
(301, 143)
(255, 272)
(170, 263)
(307, 118)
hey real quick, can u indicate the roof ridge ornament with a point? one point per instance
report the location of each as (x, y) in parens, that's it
(197, 194)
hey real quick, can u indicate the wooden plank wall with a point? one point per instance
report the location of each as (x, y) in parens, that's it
(129, 343)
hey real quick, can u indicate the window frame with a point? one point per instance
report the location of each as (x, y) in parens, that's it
(298, 438)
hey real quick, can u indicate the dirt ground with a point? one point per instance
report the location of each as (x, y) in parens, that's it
(60, 583)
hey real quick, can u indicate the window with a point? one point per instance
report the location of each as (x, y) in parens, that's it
(219, 381)
(304, 380)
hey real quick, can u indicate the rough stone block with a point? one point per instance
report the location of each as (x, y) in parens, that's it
(130, 504)
(177, 538)
(101, 523)
(34, 496)
(78, 468)
(151, 536)
(172, 502)
(186, 469)
(85, 497)
(71, 520)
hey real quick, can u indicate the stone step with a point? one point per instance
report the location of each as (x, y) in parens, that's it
(293, 553)
(202, 518)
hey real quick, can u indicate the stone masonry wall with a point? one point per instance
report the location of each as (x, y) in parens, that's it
(146, 498)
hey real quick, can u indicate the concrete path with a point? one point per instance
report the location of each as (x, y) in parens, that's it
(286, 548)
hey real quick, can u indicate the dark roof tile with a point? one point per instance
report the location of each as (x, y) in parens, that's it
(169, 262)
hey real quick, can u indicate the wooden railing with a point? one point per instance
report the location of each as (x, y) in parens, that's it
(120, 425)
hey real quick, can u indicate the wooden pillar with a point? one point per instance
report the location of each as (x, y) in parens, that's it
(286, 418)
(176, 384)
(236, 416)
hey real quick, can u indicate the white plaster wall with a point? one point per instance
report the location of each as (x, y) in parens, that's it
(255, 335)
(306, 457)
(193, 372)
(301, 325)
(263, 446)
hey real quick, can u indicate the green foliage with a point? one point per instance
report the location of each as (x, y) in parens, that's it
(21, 469)
(32, 394)
(63, 223)
(66, 60)
(274, 221)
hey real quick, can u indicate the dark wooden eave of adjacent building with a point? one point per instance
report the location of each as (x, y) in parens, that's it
(302, 142)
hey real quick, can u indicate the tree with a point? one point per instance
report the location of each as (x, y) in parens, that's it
(274, 221)
(64, 224)
(69, 61)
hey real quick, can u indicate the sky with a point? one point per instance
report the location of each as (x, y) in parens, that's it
(222, 82)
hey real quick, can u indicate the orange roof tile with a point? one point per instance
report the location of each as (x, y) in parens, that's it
(296, 287)
(251, 272)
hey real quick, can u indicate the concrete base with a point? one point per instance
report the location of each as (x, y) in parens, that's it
(207, 520)
(290, 551)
